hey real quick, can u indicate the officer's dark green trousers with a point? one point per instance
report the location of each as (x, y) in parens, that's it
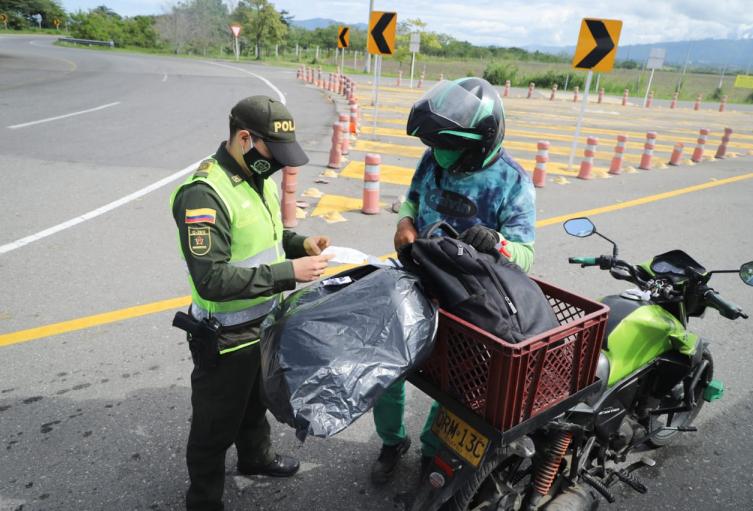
(227, 410)
(388, 418)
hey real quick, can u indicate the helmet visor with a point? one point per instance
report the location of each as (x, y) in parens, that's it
(457, 104)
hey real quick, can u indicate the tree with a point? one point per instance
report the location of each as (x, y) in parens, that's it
(262, 22)
(195, 26)
(21, 13)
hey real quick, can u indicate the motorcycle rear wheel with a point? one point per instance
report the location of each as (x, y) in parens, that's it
(662, 437)
(498, 485)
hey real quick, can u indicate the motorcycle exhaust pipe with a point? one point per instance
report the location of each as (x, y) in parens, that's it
(575, 498)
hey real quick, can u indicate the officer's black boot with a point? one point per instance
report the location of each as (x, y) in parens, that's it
(384, 466)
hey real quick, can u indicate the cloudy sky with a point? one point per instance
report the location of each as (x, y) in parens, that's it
(508, 23)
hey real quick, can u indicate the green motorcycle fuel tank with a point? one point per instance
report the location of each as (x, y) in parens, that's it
(639, 331)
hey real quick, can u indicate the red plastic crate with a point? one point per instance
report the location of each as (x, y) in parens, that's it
(509, 383)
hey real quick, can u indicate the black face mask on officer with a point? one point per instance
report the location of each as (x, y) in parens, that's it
(259, 165)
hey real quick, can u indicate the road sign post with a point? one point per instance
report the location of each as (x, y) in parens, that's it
(415, 47)
(596, 50)
(4, 19)
(380, 41)
(655, 60)
(236, 29)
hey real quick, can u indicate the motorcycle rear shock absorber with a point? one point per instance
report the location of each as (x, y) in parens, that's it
(548, 466)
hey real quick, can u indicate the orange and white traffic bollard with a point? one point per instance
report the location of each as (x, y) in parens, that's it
(698, 152)
(588, 161)
(673, 104)
(625, 97)
(619, 151)
(576, 94)
(723, 103)
(531, 88)
(289, 185)
(353, 126)
(697, 105)
(371, 184)
(648, 151)
(399, 78)
(421, 81)
(650, 99)
(554, 92)
(334, 152)
(722, 149)
(319, 78)
(674, 160)
(506, 91)
(344, 135)
(601, 96)
(441, 76)
(539, 171)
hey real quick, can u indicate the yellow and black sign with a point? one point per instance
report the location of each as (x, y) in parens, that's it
(3, 18)
(56, 22)
(597, 44)
(382, 30)
(343, 37)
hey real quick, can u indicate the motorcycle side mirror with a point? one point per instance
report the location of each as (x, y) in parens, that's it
(579, 227)
(746, 273)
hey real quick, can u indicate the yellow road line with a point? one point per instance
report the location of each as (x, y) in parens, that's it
(182, 301)
(92, 321)
(643, 200)
(562, 150)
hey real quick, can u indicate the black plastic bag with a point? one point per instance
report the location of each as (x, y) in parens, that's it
(331, 349)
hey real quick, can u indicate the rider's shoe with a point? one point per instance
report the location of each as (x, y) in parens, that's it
(384, 466)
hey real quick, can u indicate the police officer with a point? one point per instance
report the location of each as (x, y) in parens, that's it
(239, 260)
(467, 179)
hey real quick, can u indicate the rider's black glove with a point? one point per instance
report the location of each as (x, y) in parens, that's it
(481, 238)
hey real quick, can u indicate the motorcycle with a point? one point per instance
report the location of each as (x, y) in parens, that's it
(652, 378)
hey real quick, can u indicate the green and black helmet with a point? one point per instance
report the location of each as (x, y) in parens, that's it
(461, 115)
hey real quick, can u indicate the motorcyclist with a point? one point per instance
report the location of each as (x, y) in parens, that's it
(468, 180)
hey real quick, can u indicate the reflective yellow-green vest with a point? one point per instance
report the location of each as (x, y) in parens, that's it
(255, 239)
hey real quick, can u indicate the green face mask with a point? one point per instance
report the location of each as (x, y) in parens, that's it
(446, 158)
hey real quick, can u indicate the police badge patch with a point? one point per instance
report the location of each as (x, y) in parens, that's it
(199, 240)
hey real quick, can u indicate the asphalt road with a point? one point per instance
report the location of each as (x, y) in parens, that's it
(97, 418)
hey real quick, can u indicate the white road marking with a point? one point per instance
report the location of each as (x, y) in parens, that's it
(124, 200)
(97, 212)
(270, 84)
(164, 78)
(40, 121)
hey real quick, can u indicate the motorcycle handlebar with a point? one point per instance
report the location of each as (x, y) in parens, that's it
(583, 261)
(727, 309)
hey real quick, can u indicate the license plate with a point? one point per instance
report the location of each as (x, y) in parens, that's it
(459, 436)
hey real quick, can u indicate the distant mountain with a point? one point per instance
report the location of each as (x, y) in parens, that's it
(315, 23)
(735, 53)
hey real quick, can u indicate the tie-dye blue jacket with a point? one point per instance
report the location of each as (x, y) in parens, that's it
(501, 197)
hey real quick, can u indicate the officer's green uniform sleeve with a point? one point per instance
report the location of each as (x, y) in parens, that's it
(407, 209)
(215, 279)
(292, 243)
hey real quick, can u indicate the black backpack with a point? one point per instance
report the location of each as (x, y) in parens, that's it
(487, 290)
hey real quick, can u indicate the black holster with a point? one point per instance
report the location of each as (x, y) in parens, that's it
(203, 339)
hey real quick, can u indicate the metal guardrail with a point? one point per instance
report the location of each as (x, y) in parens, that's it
(88, 42)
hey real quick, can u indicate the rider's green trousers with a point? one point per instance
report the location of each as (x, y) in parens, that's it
(388, 417)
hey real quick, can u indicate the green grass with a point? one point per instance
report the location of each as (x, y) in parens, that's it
(663, 85)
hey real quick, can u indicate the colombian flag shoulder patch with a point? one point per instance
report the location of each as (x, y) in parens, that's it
(198, 216)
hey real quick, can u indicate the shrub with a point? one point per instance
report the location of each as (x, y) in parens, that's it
(549, 78)
(498, 73)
